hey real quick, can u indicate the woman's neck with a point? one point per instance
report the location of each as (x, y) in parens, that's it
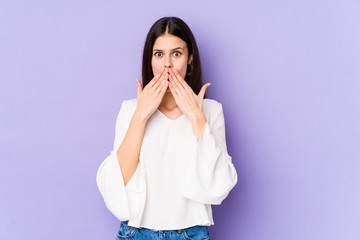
(168, 102)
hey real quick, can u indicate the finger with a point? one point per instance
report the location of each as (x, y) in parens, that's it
(138, 87)
(175, 95)
(176, 86)
(157, 77)
(203, 89)
(182, 89)
(180, 80)
(163, 89)
(154, 80)
(162, 79)
(173, 91)
(175, 79)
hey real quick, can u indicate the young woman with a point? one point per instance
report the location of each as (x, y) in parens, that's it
(169, 161)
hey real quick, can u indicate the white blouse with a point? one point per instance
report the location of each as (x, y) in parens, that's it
(177, 179)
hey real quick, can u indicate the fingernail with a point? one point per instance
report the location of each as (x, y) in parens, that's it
(162, 69)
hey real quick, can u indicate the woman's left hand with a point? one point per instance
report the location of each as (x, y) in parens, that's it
(188, 102)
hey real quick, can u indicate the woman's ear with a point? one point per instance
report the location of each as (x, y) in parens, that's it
(190, 59)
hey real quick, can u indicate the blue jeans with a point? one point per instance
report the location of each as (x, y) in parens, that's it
(191, 233)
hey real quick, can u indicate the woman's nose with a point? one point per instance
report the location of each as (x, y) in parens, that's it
(168, 62)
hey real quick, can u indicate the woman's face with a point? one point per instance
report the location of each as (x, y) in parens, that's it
(171, 52)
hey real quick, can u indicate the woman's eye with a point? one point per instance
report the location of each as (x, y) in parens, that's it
(177, 54)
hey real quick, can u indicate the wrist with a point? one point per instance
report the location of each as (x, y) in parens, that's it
(139, 117)
(198, 122)
(197, 116)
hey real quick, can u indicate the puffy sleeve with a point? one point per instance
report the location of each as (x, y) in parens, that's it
(211, 174)
(125, 202)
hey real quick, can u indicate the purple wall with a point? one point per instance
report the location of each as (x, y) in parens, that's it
(286, 72)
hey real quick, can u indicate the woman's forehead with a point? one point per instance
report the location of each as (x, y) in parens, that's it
(169, 42)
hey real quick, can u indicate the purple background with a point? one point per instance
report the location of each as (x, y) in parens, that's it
(286, 72)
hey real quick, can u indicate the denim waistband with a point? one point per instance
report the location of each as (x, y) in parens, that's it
(198, 231)
(178, 230)
(156, 230)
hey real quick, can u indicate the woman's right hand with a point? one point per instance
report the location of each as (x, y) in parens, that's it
(149, 98)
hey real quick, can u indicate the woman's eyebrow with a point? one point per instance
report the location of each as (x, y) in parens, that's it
(171, 49)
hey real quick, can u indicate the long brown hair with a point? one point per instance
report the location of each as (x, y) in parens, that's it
(176, 27)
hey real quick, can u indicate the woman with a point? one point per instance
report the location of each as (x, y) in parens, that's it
(169, 161)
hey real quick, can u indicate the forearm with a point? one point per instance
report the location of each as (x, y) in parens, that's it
(129, 150)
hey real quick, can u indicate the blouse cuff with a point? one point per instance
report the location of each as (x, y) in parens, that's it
(211, 174)
(136, 182)
(125, 202)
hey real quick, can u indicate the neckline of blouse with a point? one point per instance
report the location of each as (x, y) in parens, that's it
(171, 120)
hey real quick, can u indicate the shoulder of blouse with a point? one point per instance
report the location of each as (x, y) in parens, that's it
(130, 104)
(211, 106)
(210, 102)
(131, 101)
